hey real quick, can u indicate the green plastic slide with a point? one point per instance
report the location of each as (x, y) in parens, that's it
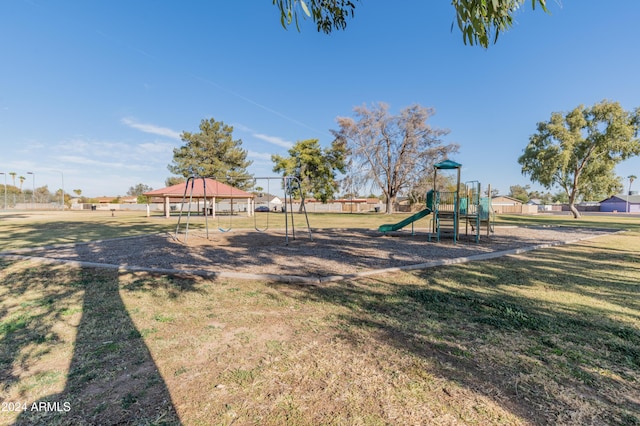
(395, 226)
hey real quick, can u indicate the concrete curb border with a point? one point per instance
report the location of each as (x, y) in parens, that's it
(289, 279)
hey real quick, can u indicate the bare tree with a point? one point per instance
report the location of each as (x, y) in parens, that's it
(417, 193)
(393, 151)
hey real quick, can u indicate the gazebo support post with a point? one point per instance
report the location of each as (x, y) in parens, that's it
(167, 208)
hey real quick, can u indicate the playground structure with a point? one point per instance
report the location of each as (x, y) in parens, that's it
(290, 184)
(450, 209)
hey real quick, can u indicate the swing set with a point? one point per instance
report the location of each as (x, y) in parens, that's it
(290, 184)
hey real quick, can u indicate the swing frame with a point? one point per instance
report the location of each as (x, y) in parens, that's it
(289, 183)
(255, 216)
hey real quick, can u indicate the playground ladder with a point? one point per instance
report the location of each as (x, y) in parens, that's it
(445, 215)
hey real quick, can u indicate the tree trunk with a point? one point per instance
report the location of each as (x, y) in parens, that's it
(572, 200)
(574, 211)
(390, 201)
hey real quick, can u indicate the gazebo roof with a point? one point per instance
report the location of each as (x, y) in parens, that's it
(447, 165)
(213, 189)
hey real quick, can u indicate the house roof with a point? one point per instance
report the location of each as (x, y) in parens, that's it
(123, 199)
(263, 197)
(196, 188)
(105, 199)
(505, 197)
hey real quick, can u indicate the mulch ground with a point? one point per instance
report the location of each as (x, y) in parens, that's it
(327, 252)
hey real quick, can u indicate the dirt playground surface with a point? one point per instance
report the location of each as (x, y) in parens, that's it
(330, 252)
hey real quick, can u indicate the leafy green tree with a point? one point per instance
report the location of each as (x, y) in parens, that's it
(545, 198)
(60, 195)
(12, 194)
(480, 21)
(579, 150)
(13, 190)
(328, 15)
(315, 167)
(42, 194)
(138, 191)
(519, 192)
(212, 152)
(560, 197)
(631, 179)
(174, 180)
(78, 192)
(395, 152)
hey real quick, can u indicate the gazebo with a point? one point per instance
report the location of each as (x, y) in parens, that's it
(194, 189)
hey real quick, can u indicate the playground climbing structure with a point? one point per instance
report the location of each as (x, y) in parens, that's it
(463, 209)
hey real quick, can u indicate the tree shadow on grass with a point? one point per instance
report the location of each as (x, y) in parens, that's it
(112, 377)
(547, 361)
(8, 216)
(31, 234)
(624, 222)
(33, 321)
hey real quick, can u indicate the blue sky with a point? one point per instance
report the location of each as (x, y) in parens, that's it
(99, 92)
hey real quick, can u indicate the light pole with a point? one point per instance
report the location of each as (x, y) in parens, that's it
(33, 194)
(62, 195)
(5, 189)
(631, 179)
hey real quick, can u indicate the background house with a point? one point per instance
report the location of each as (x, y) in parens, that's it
(106, 200)
(357, 205)
(540, 205)
(506, 204)
(271, 201)
(621, 203)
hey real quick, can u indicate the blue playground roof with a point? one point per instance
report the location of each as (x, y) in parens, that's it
(447, 165)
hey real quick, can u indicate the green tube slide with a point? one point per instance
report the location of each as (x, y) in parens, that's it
(395, 226)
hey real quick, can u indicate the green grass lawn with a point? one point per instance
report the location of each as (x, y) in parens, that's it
(548, 337)
(620, 221)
